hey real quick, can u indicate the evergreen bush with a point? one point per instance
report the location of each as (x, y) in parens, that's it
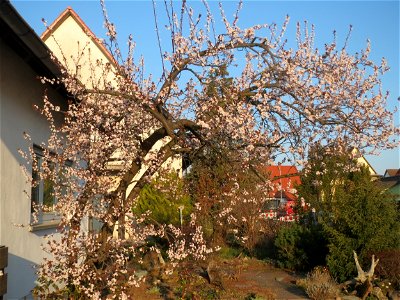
(355, 213)
(300, 247)
(364, 219)
(162, 198)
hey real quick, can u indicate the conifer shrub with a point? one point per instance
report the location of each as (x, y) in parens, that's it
(300, 247)
(162, 198)
(354, 212)
(290, 253)
(364, 219)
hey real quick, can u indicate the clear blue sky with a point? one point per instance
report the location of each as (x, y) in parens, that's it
(374, 20)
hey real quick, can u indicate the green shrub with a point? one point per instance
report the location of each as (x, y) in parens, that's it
(364, 219)
(253, 296)
(290, 254)
(229, 252)
(162, 199)
(300, 247)
(356, 214)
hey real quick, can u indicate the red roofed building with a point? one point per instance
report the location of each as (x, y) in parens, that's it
(283, 194)
(391, 173)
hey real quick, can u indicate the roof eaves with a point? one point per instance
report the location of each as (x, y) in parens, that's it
(29, 40)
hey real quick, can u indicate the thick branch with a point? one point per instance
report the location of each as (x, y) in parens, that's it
(167, 152)
(214, 50)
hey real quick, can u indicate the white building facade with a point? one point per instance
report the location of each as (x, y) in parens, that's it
(24, 58)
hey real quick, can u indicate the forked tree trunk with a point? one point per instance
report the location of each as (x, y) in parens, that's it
(362, 275)
(365, 278)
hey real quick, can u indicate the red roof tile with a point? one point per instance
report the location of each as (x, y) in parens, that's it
(391, 172)
(286, 177)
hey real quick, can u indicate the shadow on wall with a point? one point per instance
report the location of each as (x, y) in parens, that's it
(21, 277)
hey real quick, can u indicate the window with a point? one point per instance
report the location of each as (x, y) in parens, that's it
(42, 194)
(271, 204)
(43, 197)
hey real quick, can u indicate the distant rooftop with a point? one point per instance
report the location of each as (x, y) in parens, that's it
(391, 172)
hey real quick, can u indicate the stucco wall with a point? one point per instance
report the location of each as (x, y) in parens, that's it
(362, 161)
(19, 90)
(73, 47)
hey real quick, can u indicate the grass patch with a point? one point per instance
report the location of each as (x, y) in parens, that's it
(228, 252)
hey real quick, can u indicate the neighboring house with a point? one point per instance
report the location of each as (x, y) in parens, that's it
(391, 182)
(77, 48)
(24, 57)
(391, 173)
(362, 161)
(283, 194)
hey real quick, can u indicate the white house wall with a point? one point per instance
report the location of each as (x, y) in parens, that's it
(362, 161)
(73, 47)
(19, 90)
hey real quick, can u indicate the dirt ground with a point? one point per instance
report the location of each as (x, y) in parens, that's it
(234, 279)
(266, 281)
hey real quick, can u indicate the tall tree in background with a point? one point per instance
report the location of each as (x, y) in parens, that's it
(230, 197)
(356, 214)
(278, 101)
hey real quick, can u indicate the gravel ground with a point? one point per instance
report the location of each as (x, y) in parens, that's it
(240, 279)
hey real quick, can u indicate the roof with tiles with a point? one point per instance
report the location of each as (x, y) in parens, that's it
(285, 178)
(392, 172)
